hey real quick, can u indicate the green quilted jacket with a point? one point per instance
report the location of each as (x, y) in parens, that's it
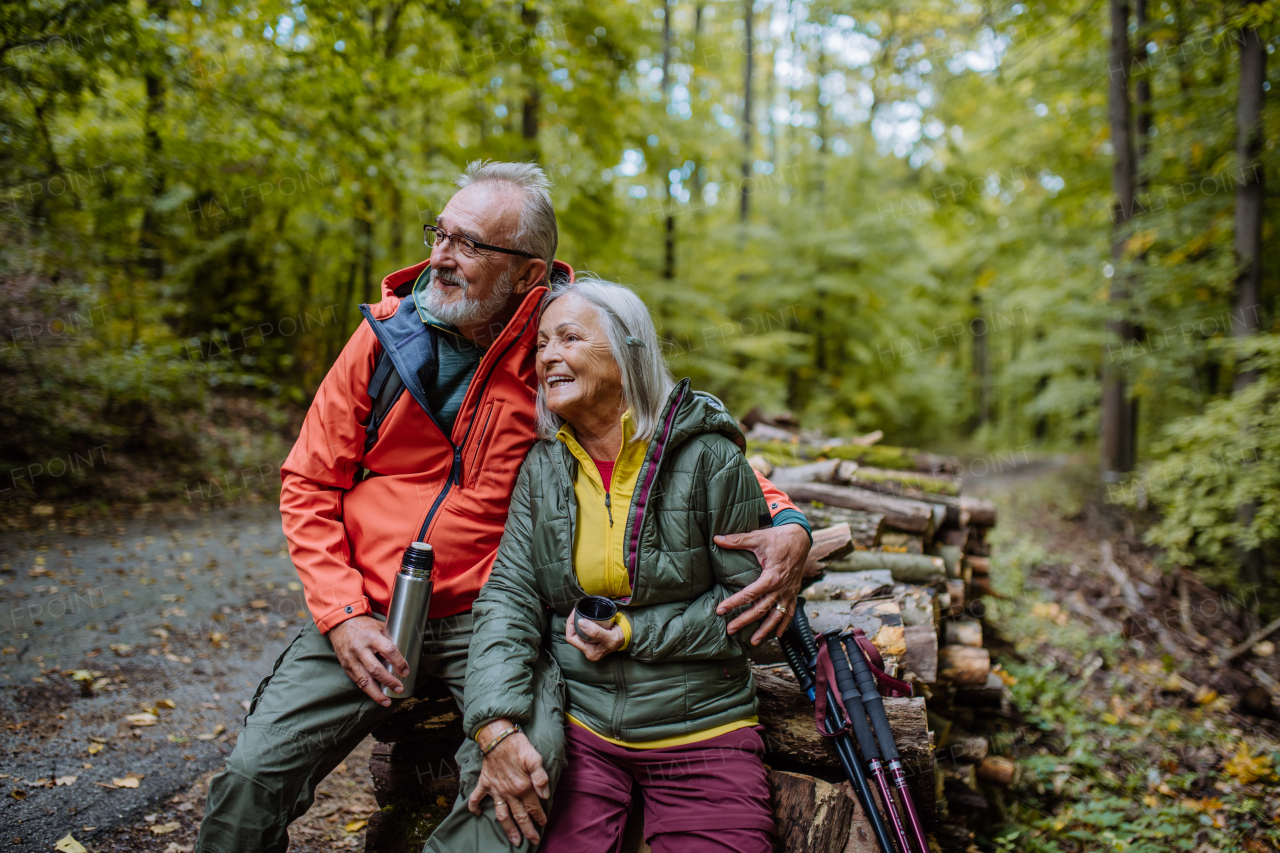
(681, 673)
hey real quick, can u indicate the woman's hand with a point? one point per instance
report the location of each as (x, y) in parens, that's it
(513, 775)
(595, 641)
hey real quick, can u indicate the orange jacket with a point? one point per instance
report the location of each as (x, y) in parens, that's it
(346, 538)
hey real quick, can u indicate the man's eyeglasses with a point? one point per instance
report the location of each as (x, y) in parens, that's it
(433, 234)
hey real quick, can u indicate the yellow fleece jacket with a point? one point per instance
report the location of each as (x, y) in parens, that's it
(597, 547)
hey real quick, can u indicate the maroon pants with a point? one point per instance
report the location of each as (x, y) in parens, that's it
(706, 797)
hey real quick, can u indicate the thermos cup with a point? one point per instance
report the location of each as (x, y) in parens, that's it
(595, 608)
(407, 617)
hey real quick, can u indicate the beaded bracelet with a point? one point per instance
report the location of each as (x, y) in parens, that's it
(501, 736)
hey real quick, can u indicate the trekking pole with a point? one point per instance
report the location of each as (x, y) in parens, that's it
(873, 702)
(801, 652)
(862, 730)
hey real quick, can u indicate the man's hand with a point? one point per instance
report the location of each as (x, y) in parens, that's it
(595, 641)
(358, 642)
(512, 774)
(781, 552)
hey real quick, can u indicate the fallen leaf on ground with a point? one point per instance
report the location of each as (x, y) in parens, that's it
(1247, 769)
(68, 844)
(357, 825)
(165, 828)
(259, 604)
(121, 649)
(175, 847)
(126, 782)
(166, 703)
(95, 748)
(64, 780)
(18, 794)
(143, 719)
(217, 730)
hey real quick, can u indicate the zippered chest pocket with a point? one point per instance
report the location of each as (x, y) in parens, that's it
(477, 472)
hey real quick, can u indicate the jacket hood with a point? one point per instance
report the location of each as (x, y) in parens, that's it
(696, 412)
(400, 282)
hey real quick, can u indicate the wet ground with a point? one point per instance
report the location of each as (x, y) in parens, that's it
(129, 650)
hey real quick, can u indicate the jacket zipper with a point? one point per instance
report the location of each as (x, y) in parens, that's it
(608, 507)
(455, 466)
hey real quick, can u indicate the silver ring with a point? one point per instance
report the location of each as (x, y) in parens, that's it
(780, 608)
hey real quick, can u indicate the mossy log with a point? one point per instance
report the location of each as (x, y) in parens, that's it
(899, 513)
(905, 568)
(902, 482)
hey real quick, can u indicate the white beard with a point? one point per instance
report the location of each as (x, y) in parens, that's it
(462, 310)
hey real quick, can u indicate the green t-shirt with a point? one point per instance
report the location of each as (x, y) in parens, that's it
(456, 361)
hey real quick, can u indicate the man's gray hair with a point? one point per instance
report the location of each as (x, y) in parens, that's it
(536, 233)
(633, 342)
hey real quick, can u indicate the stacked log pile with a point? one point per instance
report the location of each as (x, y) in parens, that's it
(898, 551)
(914, 577)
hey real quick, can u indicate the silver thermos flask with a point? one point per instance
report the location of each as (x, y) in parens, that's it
(407, 616)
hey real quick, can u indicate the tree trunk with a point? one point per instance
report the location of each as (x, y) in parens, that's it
(820, 109)
(1116, 446)
(1143, 132)
(980, 368)
(669, 239)
(748, 14)
(1249, 201)
(364, 227)
(1249, 191)
(532, 95)
(151, 256)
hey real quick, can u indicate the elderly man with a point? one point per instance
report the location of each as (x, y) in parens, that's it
(376, 468)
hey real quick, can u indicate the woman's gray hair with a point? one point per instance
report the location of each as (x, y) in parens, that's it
(536, 232)
(633, 342)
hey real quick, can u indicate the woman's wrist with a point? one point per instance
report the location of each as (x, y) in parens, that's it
(490, 732)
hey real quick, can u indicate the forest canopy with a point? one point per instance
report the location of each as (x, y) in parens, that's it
(910, 217)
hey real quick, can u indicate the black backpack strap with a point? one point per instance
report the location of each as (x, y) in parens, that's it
(385, 387)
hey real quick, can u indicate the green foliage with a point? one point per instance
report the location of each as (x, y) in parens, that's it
(926, 247)
(1215, 463)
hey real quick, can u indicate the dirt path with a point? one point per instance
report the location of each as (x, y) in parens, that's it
(129, 650)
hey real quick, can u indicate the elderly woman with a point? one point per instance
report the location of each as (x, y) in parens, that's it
(634, 477)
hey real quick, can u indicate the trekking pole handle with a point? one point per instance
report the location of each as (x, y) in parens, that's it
(852, 701)
(801, 623)
(795, 659)
(871, 697)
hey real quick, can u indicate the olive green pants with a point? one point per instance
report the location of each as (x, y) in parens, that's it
(306, 718)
